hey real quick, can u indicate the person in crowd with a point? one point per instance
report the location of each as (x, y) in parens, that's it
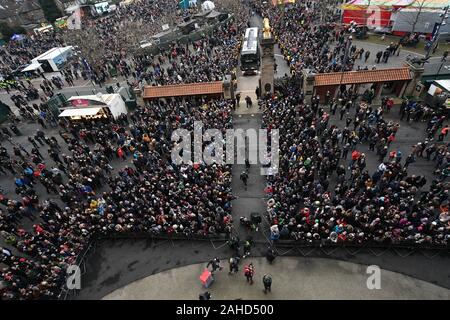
(270, 255)
(384, 206)
(95, 201)
(249, 272)
(215, 264)
(267, 282)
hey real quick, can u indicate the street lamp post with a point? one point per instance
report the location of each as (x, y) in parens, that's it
(435, 38)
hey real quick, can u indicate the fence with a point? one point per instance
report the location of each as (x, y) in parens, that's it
(80, 261)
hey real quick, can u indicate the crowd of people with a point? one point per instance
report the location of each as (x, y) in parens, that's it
(150, 194)
(113, 49)
(86, 195)
(310, 37)
(324, 192)
(208, 59)
(306, 33)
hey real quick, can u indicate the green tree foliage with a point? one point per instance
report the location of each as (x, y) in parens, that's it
(51, 11)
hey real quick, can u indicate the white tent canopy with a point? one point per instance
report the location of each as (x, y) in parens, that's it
(82, 112)
(112, 102)
(32, 67)
(444, 84)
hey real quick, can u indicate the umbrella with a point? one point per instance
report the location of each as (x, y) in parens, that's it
(208, 5)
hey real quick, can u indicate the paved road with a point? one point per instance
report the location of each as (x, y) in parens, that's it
(251, 199)
(292, 279)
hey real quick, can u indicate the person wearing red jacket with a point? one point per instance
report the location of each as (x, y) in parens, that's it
(355, 157)
(390, 139)
(121, 154)
(249, 272)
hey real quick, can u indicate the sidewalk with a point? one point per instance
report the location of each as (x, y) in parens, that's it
(293, 279)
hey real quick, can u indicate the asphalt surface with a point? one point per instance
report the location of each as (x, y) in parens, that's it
(292, 279)
(251, 198)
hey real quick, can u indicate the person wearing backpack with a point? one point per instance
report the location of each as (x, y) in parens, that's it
(267, 282)
(270, 255)
(234, 265)
(244, 178)
(234, 244)
(215, 263)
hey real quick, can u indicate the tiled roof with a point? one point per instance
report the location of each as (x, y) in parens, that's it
(368, 76)
(178, 90)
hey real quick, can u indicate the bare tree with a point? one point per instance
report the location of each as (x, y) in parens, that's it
(417, 17)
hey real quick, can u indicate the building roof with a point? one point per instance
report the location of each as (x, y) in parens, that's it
(213, 14)
(202, 14)
(369, 76)
(179, 90)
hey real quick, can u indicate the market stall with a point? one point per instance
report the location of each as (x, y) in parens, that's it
(101, 106)
(54, 59)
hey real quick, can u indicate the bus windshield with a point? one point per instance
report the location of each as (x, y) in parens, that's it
(250, 54)
(249, 58)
